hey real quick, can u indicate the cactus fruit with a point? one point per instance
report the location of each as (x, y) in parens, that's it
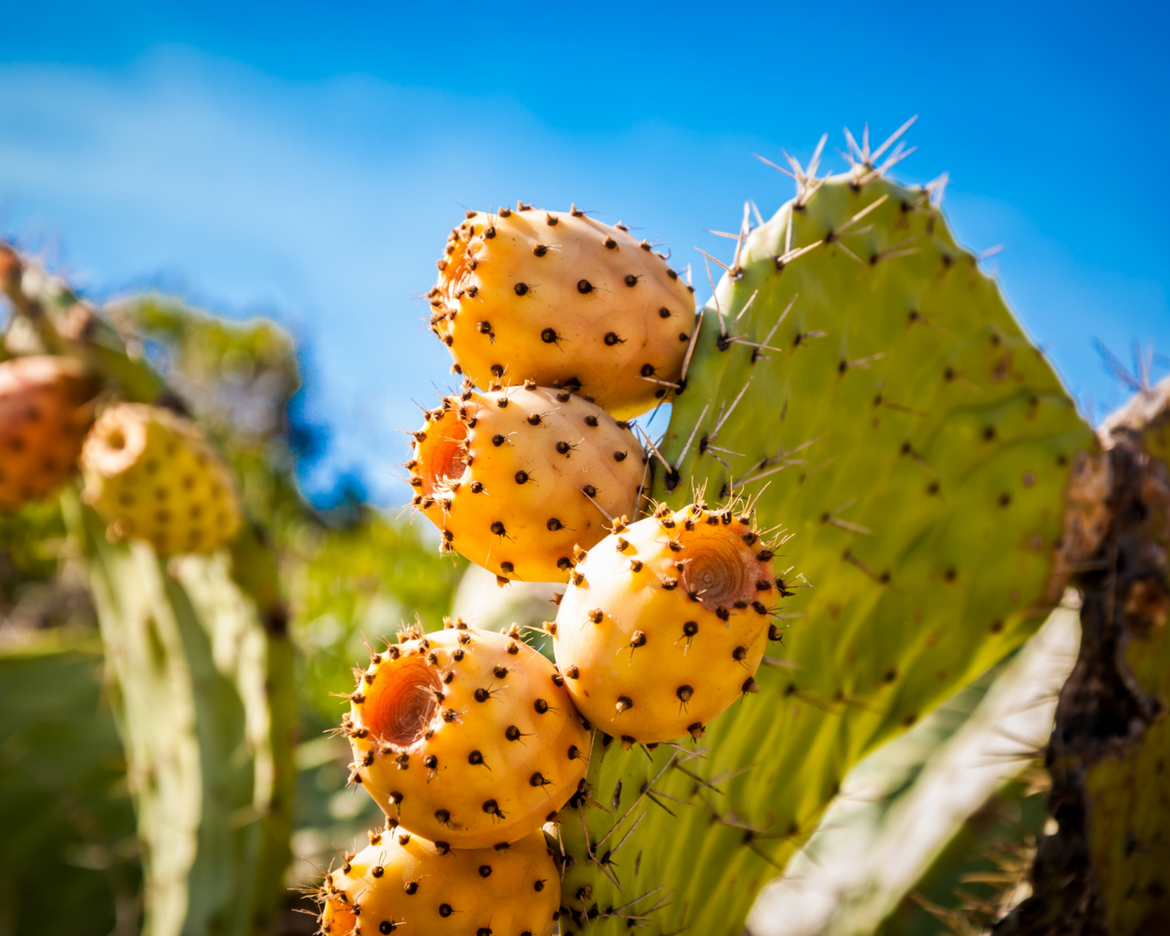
(566, 301)
(402, 880)
(152, 475)
(516, 478)
(465, 736)
(665, 621)
(43, 420)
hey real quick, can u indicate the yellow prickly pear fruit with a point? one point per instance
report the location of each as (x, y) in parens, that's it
(153, 476)
(44, 413)
(466, 736)
(516, 478)
(666, 622)
(566, 301)
(403, 880)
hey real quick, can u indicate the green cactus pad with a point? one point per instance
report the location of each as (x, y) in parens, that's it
(891, 417)
(204, 702)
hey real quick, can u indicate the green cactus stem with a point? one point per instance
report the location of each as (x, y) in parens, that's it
(860, 381)
(1104, 869)
(203, 682)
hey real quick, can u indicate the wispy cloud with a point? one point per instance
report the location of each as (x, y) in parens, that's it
(327, 202)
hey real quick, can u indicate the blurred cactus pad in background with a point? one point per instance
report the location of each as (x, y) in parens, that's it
(940, 684)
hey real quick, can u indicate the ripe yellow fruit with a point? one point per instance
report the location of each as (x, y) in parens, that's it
(517, 478)
(401, 880)
(466, 736)
(665, 623)
(565, 301)
(45, 411)
(154, 476)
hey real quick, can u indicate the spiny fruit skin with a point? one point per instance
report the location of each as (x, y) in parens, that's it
(665, 623)
(466, 736)
(153, 476)
(515, 478)
(44, 415)
(566, 301)
(403, 880)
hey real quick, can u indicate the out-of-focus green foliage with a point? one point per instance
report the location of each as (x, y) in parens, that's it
(40, 583)
(354, 584)
(69, 856)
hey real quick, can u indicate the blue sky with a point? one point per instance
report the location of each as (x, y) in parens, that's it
(307, 162)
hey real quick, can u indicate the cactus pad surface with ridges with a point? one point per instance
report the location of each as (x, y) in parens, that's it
(890, 414)
(203, 700)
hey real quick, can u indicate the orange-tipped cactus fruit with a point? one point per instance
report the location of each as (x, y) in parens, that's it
(566, 301)
(466, 736)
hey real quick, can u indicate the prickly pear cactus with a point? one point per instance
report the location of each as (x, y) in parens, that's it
(1103, 869)
(204, 700)
(863, 383)
(197, 654)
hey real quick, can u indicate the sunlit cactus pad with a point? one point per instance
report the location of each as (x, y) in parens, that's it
(862, 379)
